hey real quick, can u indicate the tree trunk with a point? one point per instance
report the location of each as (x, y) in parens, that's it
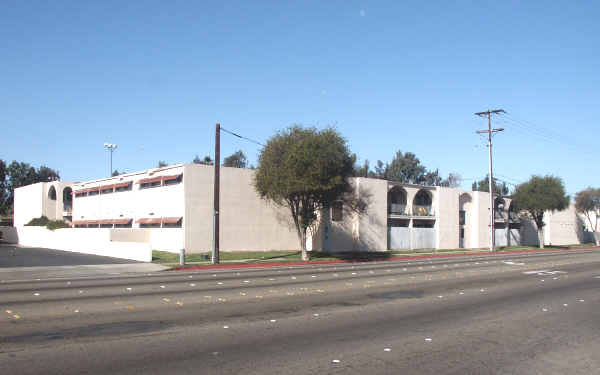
(302, 238)
(541, 237)
(596, 238)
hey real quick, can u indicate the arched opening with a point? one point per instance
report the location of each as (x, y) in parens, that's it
(464, 205)
(67, 200)
(396, 201)
(422, 204)
(52, 193)
(500, 225)
(514, 226)
(499, 209)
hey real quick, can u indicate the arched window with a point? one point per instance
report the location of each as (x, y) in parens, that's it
(422, 204)
(67, 199)
(396, 201)
(52, 193)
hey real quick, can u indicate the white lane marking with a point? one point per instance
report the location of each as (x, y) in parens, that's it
(313, 275)
(428, 339)
(544, 309)
(272, 320)
(336, 361)
(246, 281)
(565, 304)
(440, 296)
(581, 300)
(271, 279)
(543, 272)
(219, 283)
(482, 290)
(162, 287)
(225, 327)
(128, 289)
(315, 315)
(387, 350)
(36, 294)
(510, 262)
(461, 293)
(81, 292)
(192, 284)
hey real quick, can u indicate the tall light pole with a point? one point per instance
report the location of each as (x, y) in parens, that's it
(111, 147)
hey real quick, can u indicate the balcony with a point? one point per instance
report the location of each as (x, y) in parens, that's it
(397, 209)
(499, 216)
(67, 210)
(419, 210)
(514, 217)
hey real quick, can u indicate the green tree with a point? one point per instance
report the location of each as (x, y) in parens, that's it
(205, 161)
(484, 185)
(587, 202)
(19, 174)
(538, 195)
(161, 164)
(4, 203)
(407, 168)
(236, 160)
(116, 173)
(453, 181)
(305, 170)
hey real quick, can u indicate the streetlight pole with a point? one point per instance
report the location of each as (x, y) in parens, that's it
(111, 147)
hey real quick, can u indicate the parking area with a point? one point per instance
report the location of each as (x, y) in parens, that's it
(18, 256)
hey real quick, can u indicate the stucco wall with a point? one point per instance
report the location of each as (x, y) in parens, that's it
(247, 223)
(563, 227)
(372, 225)
(447, 218)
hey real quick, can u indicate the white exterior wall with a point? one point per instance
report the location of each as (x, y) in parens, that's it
(563, 227)
(28, 203)
(137, 203)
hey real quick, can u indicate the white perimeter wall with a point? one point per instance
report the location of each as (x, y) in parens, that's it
(84, 240)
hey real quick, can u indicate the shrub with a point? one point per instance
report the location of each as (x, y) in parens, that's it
(41, 221)
(57, 224)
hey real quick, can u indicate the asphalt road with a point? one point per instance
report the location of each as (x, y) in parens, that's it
(18, 256)
(495, 315)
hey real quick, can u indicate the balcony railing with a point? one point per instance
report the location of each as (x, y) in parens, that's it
(397, 209)
(514, 217)
(419, 210)
(499, 216)
(67, 209)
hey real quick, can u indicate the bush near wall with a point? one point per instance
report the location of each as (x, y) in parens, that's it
(43, 221)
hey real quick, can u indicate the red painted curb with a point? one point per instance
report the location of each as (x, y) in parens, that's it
(417, 257)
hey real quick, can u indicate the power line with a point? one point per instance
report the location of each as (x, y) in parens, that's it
(242, 137)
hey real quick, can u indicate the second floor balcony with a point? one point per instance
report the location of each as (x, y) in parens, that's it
(422, 210)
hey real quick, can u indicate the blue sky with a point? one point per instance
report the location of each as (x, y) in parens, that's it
(155, 76)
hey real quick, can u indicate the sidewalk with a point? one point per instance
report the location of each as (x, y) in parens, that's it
(13, 274)
(414, 256)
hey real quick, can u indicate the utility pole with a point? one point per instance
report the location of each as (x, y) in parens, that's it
(215, 249)
(489, 132)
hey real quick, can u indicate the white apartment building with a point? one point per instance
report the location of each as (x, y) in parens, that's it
(171, 208)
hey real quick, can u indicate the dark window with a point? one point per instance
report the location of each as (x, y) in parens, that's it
(107, 191)
(93, 192)
(150, 185)
(423, 224)
(106, 225)
(79, 195)
(337, 211)
(174, 181)
(123, 188)
(461, 217)
(397, 223)
(172, 225)
(123, 225)
(150, 225)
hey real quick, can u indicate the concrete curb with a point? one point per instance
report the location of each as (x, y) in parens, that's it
(399, 258)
